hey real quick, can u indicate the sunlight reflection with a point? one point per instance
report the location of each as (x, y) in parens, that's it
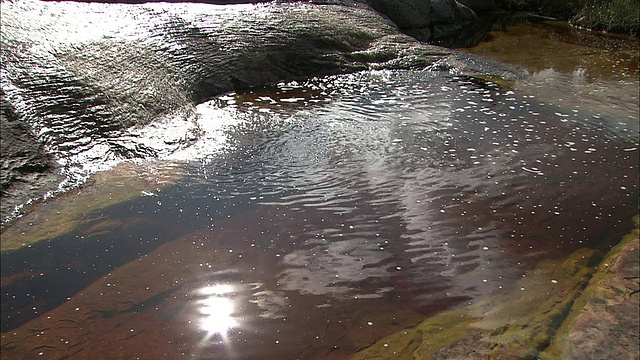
(217, 310)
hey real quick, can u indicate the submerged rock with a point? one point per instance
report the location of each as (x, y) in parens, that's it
(517, 324)
(138, 309)
(63, 214)
(575, 309)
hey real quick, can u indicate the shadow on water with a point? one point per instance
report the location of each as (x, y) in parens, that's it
(485, 26)
(323, 216)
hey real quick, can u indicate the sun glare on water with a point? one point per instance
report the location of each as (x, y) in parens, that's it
(217, 310)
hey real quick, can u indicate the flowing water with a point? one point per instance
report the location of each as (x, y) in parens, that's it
(312, 219)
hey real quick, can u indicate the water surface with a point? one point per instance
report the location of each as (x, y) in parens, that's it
(314, 218)
(572, 68)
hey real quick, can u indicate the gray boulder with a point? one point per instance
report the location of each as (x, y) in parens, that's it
(426, 20)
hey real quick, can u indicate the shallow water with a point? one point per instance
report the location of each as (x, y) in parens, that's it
(313, 219)
(572, 68)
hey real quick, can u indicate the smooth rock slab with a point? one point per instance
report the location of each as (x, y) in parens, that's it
(516, 324)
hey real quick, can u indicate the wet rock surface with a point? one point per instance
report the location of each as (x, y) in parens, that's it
(22, 153)
(26, 167)
(518, 324)
(603, 323)
(568, 310)
(78, 75)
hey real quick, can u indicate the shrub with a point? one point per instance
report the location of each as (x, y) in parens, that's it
(621, 16)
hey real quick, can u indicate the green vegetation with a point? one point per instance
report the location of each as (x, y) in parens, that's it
(558, 9)
(620, 16)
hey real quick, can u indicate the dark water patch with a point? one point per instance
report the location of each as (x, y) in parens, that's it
(65, 266)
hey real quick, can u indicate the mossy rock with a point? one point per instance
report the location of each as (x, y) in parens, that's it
(423, 340)
(532, 316)
(578, 308)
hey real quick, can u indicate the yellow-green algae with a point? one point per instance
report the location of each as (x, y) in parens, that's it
(66, 212)
(531, 320)
(517, 325)
(422, 340)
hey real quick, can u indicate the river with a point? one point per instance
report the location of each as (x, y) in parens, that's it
(312, 218)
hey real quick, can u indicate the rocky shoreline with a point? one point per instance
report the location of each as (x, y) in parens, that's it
(581, 308)
(603, 321)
